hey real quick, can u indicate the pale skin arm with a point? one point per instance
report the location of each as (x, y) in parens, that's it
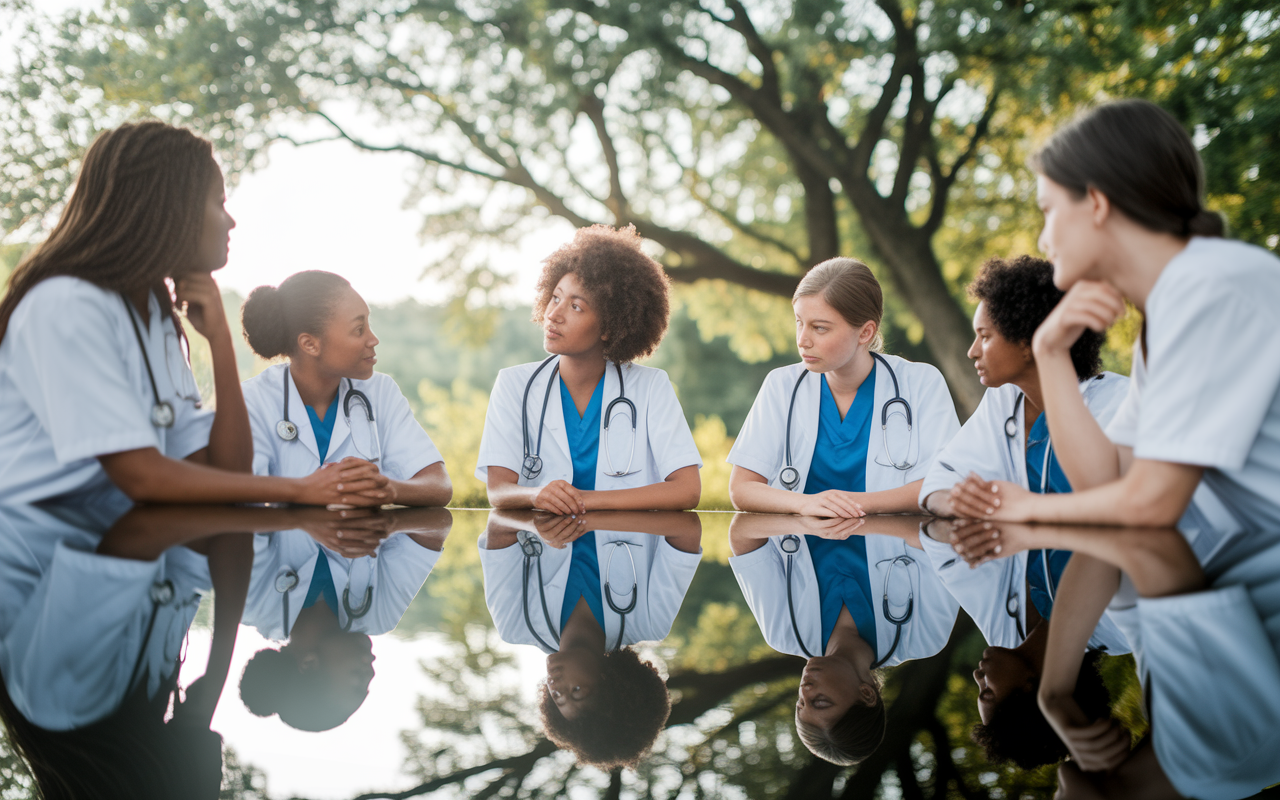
(1150, 493)
(679, 492)
(750, 491)
(1086, 455)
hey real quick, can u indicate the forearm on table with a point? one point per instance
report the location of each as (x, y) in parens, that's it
(1087, 457)
(231, 437)
(679, 492)
(429, 487)
(147, 476)
(902, 500)
(1150, 494)
(147, 531)
(750, 491)
(1158, 560)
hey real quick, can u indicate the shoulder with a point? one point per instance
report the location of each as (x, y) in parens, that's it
(650, 376)
(1106, 381)
(64, 292)
(520, 374)
(379, 383)
(913, 371)
(264, 383)
(784, 377)
(1209, 268)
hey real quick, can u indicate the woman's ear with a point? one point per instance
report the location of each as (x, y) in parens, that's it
(867, 333)
(868, 694)
(1101, 206)
(309, 344)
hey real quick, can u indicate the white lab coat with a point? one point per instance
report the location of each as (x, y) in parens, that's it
(406, 447)
(73, 386)
(989, 591)
(662, 579)
(1210, 662)
(762, 575)
(982, 446)
(395, 576)
(663, 442)
(75, 622)
(761, 444)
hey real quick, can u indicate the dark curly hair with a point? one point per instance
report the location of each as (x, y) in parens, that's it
(272, 683)
(1019, 294)
(631, 708)
(1018, 731)
(853, 738)
(627, 289)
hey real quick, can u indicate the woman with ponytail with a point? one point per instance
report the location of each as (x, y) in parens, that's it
(1121, 189)
(324, 409)
(95, 385)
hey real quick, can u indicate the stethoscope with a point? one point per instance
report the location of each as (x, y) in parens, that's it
(531, 546)
(789, 477)
(162, 593)
(162, 415)
(288, 431)
(531, 467)
(287, 581)
(1011, 434)
(791, 545)
(1012, 601)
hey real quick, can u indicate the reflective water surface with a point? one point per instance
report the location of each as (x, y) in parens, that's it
(266, 652)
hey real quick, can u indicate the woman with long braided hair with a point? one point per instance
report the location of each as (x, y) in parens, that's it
(95, 384)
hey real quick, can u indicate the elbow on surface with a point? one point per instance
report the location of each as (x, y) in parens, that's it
(1147, 509)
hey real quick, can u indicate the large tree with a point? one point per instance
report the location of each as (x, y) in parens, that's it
(747, 141)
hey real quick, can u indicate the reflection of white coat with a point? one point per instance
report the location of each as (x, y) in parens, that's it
(662, 578)
(663, 443)
(1210, 662)
(406, 447)
(988, 592)
(982, 446)
(761, 444)
(762, 574)
(75, 622)
(73, 386)
(395, 577)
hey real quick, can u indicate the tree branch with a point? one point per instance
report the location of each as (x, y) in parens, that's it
(942, 183)
(593, 107)
(905, 55)
(394, 148)
(540, 751)
(756, 45)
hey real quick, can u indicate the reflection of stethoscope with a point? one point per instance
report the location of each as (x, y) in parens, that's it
(531, 546)
(162, 414)
(288, 431)
(791, 545)
(287, 581)
(1012, 603)
(162, 593)
(789, 477)
(531, 468)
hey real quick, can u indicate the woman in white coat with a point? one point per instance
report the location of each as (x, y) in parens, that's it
(1007, 438)
(95, 386)
(587, 428)
(856, 437)
(326, 408)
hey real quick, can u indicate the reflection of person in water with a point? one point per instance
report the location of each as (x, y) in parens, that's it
(848, 601)
(570, 589)
(87, 707)
(321, 676)
(1011, 601)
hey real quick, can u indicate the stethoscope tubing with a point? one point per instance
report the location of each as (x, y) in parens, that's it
(789, 476)
(531, 547)
(288, 431)
(162, 414)
(531, 464)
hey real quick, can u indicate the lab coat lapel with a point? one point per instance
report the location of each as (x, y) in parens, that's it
(342, 423)
(804, 424)
(298, 416)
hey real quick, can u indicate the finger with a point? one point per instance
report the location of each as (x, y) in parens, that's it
(361, 485)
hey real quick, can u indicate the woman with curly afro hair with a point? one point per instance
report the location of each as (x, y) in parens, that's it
(588, 428)
(1007, 438)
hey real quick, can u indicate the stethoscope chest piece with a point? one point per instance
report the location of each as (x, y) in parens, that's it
(1011, 427)
(162, 415)
(789, 478)
(532, 467)
(287, 430)
(286, 581)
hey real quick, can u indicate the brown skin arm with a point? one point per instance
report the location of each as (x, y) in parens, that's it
(147, 476)
(681, 529)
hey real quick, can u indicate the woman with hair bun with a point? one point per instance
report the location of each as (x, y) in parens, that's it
(95, 384)
(1122, 191)
(324, 408)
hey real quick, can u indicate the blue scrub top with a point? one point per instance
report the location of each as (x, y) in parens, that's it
(1037, 443)
(584, 579)
(1036, 583)
(840, 451)
(323, 427)
(844, 580)
(322, 582)
(584, 447)
(840, 462)
(584, 435)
